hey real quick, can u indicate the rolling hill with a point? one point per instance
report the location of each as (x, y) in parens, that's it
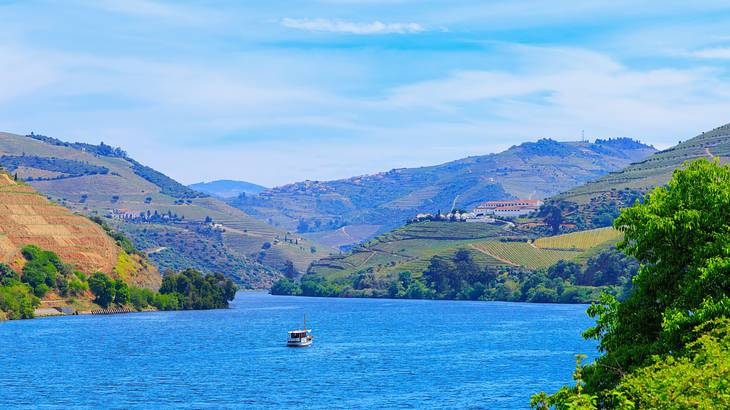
(29, 218)
(226, 188)
(597, 203)
(375, 203)
(180, 227)
(411, 247)
(656, 169)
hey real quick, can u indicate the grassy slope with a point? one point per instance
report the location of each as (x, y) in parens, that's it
(245, 235)
(657, 169)
(409, 249)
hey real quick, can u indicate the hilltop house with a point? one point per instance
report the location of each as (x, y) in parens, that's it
(506, 208)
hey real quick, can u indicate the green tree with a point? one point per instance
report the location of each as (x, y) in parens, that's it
(700, 380)
(121, 292)
(286, 286)
(103, 288)
(289, 270)
(681, 294)
(553, 217)
(438, 275)
(41, 268)
(681, 233)
(17, 301)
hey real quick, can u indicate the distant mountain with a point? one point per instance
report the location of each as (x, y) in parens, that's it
(29, 218)
(376, 203)
(226, 188)
(180, 227)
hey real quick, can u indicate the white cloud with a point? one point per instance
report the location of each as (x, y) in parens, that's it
(349, 27)
(720, 53)
(541, 99)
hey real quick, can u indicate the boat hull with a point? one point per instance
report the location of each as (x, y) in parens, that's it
(299, 343)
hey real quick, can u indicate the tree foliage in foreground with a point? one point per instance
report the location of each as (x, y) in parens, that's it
(655, 344)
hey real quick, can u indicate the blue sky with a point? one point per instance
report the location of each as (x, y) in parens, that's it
(280, 91)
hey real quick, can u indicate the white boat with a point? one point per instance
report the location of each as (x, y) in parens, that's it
(301, 337)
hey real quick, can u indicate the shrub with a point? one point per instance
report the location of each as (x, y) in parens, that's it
(17, 301)
(41, 290)
(141, 298)
(77, 287)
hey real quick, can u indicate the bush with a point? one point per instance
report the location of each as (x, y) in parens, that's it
(77, 287)
(41, 290)
(141, 298)
(7, 274)
(168, 301)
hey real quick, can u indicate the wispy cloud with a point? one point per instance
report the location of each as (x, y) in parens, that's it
(156, 9)
(350, 27)
(246, 94)
(720, 53)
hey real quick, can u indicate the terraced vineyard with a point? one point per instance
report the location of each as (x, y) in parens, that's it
(579, 241)
(28, 218)
(99, 180)
(656, 169)
(523, 254)
(410, 248)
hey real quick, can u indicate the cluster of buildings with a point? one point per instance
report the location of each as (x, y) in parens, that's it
(487, 212)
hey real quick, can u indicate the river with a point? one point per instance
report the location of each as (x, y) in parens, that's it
(367, 353)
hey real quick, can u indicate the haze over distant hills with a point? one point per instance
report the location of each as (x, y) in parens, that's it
(226, 188)
(346, 211)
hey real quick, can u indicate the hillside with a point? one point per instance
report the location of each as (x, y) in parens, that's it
(656, 169)
(410, 248)
(28, 218)
(226, 188)
(175, 224)
(376, 203)
(597, 203)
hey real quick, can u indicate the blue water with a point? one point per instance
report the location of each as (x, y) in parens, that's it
(367, 353)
